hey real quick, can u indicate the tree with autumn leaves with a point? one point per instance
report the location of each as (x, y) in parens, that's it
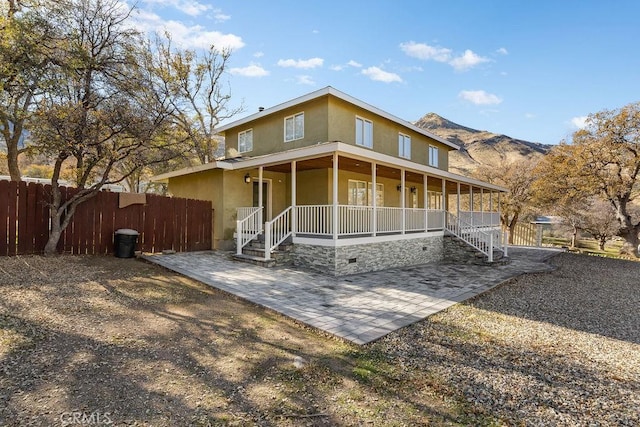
(602, 162)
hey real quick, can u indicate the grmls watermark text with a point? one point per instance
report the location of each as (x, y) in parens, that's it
(86, 418)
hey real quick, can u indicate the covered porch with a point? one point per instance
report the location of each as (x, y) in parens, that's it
(330, 201)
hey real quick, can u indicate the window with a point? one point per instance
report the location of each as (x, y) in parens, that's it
(360, 193)
(245, 141)
(294, 127)
(364, 132)
(404, 146)
(433, 156)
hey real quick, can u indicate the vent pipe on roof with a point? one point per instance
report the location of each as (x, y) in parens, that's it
(260, 109)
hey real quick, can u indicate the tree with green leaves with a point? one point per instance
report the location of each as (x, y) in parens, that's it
(603, 160)
(26, 42)
(104, 110)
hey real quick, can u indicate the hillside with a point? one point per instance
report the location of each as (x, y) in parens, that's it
(478, 147)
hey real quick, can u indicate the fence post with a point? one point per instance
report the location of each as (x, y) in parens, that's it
(267, 240)
(238, 237)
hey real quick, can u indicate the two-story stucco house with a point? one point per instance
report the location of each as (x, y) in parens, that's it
(352, 187)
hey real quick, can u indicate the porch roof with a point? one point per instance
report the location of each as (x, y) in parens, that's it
(322, 151)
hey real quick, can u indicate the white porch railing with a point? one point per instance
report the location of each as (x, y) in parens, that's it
(479, 236)
(388, 220)
(314, 219)
(354, 220)
(435, 219)
(248, 226)
(483, 219)
(276, 231)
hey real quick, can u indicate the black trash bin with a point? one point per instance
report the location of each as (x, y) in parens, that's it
(125, 243)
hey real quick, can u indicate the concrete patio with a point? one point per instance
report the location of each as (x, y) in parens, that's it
(359, 308)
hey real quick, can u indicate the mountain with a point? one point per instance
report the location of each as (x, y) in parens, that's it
(478, 147)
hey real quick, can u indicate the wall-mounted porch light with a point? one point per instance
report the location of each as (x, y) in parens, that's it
(399, 187)
(247, 178)
(413, 189)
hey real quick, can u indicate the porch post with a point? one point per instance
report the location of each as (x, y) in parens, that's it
(458, 201)
(263, 214)
(425, 196)
(335, 196)
(402, 197)
(294, 209)
(471, 206)
(481, 205)
(444, 203)
(374, 201)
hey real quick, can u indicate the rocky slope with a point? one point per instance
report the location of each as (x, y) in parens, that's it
(478, 147)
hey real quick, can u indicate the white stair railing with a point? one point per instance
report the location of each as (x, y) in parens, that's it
(483, 239)
(248, 226)
(276, 231)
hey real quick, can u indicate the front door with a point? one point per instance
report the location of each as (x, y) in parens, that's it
(265, 198)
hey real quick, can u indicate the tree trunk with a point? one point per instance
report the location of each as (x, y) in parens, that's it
(631, 242)
(54, 235)
(12, 159)
(574, 237)
(602, 242)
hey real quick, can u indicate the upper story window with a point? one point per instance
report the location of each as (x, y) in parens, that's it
(245, 141)
(433, 156)
(404, 146)
(364, 132)
(294, 127)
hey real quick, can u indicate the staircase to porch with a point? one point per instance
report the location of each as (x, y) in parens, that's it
(254, 253)
(471, 243)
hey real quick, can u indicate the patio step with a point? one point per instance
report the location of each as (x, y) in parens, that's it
(256, 260)
(459, 251)
(254, 254)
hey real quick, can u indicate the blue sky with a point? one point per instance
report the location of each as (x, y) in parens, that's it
(530, 70)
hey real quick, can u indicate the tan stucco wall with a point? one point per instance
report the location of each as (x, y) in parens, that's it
(342, 116)
(202, 186)
(331, 119)
(268, 132)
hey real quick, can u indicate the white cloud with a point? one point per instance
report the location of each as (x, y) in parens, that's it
(258, 54)
(355, 64)
(479, 97)
(305, 80)
(377, 74)
(337, 67)
(529, 116)
(252, 70)
(301, 63)
(188, 7)
(579, 122)
(195, 36)
(467, 60)
(425, 52)
(502, 51)
(221, 17)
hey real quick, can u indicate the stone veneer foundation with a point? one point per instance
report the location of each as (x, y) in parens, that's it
(364, 257)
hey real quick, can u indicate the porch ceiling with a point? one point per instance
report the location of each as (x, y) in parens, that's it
(351, 165)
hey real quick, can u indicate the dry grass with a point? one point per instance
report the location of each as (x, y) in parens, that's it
(100, 336)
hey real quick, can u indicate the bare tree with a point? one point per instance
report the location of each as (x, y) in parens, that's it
(194, 83)
(518, 177)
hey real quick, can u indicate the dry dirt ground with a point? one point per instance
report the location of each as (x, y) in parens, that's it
(107, 341)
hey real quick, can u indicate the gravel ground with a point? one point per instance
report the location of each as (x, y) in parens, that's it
(123, 342)
(545, 349)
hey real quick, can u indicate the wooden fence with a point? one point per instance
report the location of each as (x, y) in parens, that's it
(526, 235)
(163, 222)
